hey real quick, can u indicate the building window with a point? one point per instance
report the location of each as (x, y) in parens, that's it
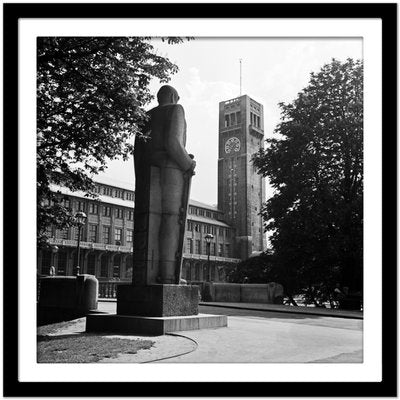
(226, 120)
(221, 231)
(107, 211)
(238, 117)
(212, 249)
(118, 193)
(118, 212)
(189, 246)
(201, 212)
(80, 206)
(66, 202)
(220, 250)
(197, 227)
(197, 247)
(92, 233)
(93, 208)
(204, 247)
(129, 236)
(208, 214)
(227, 248)
(106, 234)
(76, 232)
(130, 215)
(118, 236)
(233, 119)
(129, 196)
(107, 191)
(63, 233)
(189, 226)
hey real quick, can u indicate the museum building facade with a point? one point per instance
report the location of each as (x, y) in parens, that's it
(106, 245)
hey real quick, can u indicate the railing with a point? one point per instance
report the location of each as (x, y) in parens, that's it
(190, 256)
(91, 245)
(108, 289)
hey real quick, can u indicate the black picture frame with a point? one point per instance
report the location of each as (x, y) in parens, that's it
(12, 12)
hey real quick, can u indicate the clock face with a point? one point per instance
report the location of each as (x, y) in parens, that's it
(232, 144)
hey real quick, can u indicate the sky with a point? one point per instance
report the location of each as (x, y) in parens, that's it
(274, 70)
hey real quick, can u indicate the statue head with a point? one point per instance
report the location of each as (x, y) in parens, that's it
(167, 95)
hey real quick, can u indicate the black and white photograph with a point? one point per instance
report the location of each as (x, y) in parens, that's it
(175, 194)
(205, 195)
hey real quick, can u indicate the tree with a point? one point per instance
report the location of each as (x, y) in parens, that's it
(257, 269)
(315, 166)
(90, 97)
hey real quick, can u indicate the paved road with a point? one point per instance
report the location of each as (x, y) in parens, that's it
(254, 336)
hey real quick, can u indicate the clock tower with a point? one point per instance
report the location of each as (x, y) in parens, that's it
(241, 191)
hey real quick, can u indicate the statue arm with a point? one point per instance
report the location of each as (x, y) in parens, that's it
(175, 139)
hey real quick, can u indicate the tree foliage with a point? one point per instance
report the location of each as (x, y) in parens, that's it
(315, 166)
(90, 97)
(257, 269)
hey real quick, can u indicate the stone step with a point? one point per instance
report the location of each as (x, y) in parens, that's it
(127, 324)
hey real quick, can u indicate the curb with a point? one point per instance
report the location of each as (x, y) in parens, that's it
(296, 310)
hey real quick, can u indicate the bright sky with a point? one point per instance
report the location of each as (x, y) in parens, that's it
(273, 70)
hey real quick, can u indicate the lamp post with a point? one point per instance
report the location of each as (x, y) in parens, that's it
(209, 238)
(80, 218)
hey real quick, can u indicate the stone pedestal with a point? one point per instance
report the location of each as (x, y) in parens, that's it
(155, 310)
(157, 300)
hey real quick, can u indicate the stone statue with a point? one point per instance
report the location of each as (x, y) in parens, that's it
(163, 170)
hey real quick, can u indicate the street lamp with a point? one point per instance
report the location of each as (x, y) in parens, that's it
(209, 238)
(80, 218)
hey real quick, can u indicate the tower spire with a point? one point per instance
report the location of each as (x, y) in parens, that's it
(240, 62)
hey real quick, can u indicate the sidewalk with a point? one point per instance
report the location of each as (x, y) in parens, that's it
(327, 312)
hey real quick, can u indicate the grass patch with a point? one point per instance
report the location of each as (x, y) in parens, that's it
(53, 328)
(85, 348)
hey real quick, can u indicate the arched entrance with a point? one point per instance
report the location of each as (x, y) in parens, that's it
(91, 264)
(116, 269)
(104, 266)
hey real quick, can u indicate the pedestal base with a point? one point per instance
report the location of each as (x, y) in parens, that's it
(112, 323)
(157, 300)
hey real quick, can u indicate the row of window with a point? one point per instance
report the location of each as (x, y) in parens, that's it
(202, 213)
(234, 118)
(94, 208)
(106, 210)
(206, 228)
(92, 234)
(112, 192)
(200, 247)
